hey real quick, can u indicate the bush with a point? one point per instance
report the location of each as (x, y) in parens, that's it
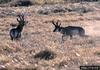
(23, 3)
(51, 9)
(4, 1)
(46, 55)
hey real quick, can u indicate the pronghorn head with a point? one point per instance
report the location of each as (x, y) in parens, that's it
(57, 26)
(21, 20)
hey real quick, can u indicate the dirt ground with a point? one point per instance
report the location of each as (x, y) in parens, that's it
(38, 36)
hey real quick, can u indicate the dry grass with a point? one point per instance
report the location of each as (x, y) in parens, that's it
(33, 2)
(37, 36)
(4, 59)
(41, 2)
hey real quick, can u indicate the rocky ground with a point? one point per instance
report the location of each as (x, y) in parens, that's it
(40, 48)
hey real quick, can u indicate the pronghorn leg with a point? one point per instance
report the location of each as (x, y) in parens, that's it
(63, 38)
(12, 38)
(71, 36)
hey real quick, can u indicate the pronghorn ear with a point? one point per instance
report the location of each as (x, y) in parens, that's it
(58, 22)
(53, 23)
(18, 20)
(21, 17)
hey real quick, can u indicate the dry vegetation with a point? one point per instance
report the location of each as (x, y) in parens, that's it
(40, 48)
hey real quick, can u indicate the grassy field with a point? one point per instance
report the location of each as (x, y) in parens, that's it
(38, 37)
(42, 2)
(35, 1)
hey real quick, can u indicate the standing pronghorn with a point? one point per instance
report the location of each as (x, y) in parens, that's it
(15, 33)
(68, 31)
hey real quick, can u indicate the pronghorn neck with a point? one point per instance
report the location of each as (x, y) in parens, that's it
(19, 28)
(60, 29)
